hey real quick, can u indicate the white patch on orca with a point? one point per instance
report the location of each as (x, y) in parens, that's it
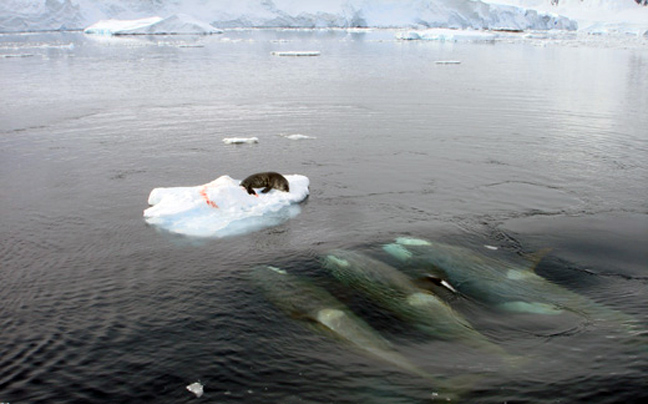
(530, 307)
(330, 317)
(196, 388)
(341, 262)
(398, 251)
(412, 241)
(422, 299)
(277, 270)
(516, 275)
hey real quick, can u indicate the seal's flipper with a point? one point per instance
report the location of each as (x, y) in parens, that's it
(266, 190)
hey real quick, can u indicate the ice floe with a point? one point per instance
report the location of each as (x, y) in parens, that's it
(447, 35)
(240, 140)
(297, 136)
(296, 53)
(223, 208)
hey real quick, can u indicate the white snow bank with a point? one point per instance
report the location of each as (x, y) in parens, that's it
(175, 24)
(33, 15)
(223, 208)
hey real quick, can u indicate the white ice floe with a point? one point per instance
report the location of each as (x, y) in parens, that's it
(298, 136)
(241, 140)
(447, 35)
(296, 53)
(196, 388)
(173, 25)
(223, 208)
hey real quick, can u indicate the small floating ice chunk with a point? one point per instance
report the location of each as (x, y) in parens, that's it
(196, 388)
(296, 53)
(298, 136)
(240, 140)
(490, 247)
(18, 55)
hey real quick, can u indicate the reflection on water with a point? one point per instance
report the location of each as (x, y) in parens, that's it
(519, 147)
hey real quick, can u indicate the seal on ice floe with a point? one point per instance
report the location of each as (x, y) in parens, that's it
(267, 181)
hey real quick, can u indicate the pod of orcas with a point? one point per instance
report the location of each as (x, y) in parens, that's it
(447, 269)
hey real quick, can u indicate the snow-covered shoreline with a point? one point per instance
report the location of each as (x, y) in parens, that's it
(594, 16)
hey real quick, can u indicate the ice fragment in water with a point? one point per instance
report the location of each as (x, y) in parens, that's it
(297, 136)
(296, 53)
(240, 140)
(196, 388)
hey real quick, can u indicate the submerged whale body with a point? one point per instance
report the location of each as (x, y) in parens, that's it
(303, 300)
(394, 291)
(504, 285)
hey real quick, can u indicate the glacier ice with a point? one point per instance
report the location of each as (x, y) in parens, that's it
(34, 15)
(223, 208)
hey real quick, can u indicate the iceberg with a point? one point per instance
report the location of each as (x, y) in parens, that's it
(177, 24)
(222, 208)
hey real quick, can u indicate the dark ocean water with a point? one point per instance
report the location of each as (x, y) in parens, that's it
(524, 146)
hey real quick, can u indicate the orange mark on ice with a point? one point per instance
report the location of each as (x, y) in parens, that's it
(203, 193)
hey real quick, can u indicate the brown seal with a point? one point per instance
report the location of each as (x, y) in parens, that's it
(267, 181)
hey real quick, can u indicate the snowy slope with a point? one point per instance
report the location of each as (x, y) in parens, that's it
(34, 15)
